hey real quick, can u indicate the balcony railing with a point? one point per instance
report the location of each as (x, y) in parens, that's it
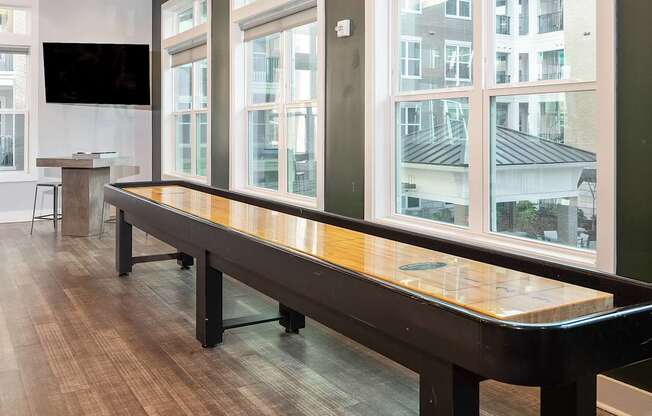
(554, 74)
(551, 22)
(523, 24)
(503, 24)
(502, 77)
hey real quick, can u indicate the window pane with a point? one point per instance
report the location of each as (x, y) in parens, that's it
(302, 165)
(264, 69)
(185, 19)
(201, 136)
(544, 167)
(432, 149)
(438, 65)
(183, 87)
(201, 84)
(183, 155)
(13, 20)
(304, 62)
(12, 142)
(558, 39)
(263, 149)
(203, 11)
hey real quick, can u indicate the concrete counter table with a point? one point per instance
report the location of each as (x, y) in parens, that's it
(83, 196)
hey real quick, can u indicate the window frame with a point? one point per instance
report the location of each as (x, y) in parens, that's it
(458, 44)
(405, 60)
(380, 125)
(240, 107)
(28, 42)
(406, 126)
(457, 10)
(195, 36)
(193, 112)
(406, 9)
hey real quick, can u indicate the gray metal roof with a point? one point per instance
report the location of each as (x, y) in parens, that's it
(434, 147)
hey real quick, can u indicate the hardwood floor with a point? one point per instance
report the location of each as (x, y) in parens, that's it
(77, 340)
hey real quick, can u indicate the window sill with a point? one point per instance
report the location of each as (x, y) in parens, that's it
(304, 202)
(17, 177)
(179, 177)
(584, 259)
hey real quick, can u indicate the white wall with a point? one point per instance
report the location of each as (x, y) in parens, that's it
(64, 129)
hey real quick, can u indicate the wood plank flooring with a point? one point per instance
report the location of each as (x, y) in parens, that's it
(77, 340)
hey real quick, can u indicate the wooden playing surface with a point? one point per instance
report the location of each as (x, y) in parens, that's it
(490, 290)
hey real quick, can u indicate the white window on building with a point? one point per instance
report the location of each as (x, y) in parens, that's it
(458, 8)
(185, 149)
(410, 119)
(17, 68)
(410, 57)
(525, 168)
(411, 6)
(458, 62)
(180, 16)
(282, 109)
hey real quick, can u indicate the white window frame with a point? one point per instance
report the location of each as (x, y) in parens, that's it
(170, 16)
(458, 44)
(239, 140)
(405, 127)
(168, 108)
(405, 60)
(381, 90)
(30, 42)
(406, 9)
(457, 10)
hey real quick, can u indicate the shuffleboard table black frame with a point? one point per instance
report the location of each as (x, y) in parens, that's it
(451, 348)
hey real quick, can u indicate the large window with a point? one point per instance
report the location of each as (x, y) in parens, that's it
(510, 158)
(13, 111)
(190, 118)
(282, 112)
(185, 93)
(16, 64)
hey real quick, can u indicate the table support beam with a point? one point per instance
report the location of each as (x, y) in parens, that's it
(123, 244)
(291, 320)
(448, 390)
(208, 308)
(572, 399)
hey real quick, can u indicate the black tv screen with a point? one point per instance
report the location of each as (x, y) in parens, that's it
(92, 73)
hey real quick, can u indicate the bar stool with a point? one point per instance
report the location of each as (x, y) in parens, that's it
(55, 216)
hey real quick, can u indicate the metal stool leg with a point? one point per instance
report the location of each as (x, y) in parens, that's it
(55, 215)
(34, 210)
(102, 220)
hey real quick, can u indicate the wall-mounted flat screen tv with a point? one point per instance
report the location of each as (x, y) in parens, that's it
(93, 73)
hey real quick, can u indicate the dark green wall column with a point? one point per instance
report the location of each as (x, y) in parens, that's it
(634, 154)
(345, 114)
(220, 97)
(156, 89)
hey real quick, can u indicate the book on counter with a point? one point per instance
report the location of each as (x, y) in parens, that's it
(95, 155)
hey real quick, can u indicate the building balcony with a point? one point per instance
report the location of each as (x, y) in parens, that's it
(558, 74)
(502, 77)
(503, 24)
(551, 22)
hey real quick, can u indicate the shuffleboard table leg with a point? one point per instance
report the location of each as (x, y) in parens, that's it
(123, 244)
(291, 320)
(448, 390)
(574, 399)
(185, 261)
(208, 303)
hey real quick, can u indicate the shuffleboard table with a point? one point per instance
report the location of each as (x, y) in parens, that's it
(454, 313)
